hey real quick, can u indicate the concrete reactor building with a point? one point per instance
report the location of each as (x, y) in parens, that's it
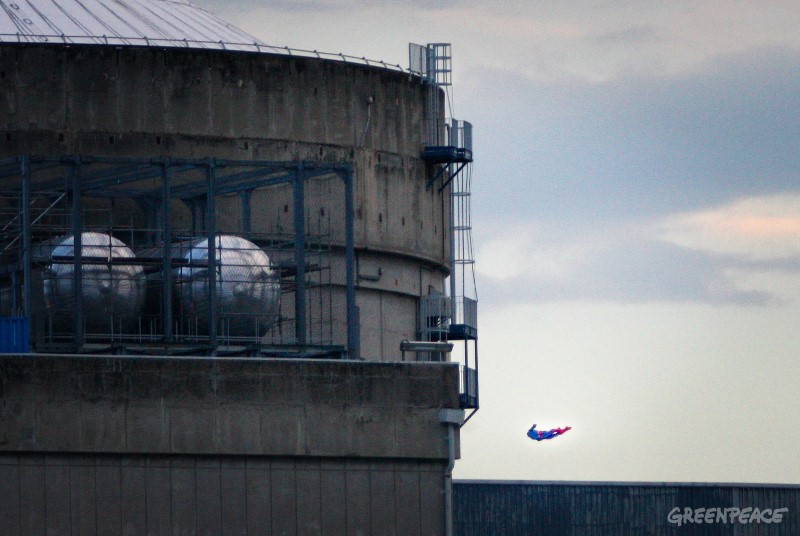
(236, 280)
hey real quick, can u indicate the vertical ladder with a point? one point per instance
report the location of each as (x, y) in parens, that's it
(448, 148)
(463, 290)
(433, 62)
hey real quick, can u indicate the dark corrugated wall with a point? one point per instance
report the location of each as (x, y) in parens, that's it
(486, 508)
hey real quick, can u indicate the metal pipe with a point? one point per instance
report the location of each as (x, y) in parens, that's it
(448, 480)
(370, 100)
(452, 418)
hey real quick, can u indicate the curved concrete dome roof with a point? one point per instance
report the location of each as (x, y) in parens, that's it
(171, 23)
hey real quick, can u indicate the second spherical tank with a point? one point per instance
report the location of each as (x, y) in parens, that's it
(247, 287)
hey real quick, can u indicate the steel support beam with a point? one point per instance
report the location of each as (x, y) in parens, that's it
(108, 179)
(300, 255)
(452, 176)
(166, 261)
(150, 213)
(25, 171)
(353, 335)
(452, 260)
(231, 182)
(211, 232)
(192, 204)
(77, 251)
(477, 376)
(477, 388)
(441, 172)
(245, 196)
(254, 180)
(116, 173)
(79, 176)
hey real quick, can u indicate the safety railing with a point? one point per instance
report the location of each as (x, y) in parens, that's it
(468, 387)
(254, 46)
(460, 134)
(466, 312)
(434, 317)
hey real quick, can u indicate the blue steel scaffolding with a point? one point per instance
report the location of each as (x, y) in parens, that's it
(66, 183)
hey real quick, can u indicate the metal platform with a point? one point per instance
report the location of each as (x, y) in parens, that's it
(447, 154)
(462, 332)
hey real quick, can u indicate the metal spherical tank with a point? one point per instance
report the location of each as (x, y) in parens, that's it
(247, 288)
(112, 290)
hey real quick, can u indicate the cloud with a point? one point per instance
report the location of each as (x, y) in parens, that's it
(615, 263)
(746, 252)
(594, 126)
(632, 35)
(529, 251)
(639, 370)
(541, 41)
(761, 235)
(639, 146)
(759, 228)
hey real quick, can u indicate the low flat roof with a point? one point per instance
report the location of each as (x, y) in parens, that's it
(631, 484)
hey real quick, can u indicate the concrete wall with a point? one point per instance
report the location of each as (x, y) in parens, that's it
(117, 445)
(237, 406)
(186, 103)
(84, 495)
(117, 101)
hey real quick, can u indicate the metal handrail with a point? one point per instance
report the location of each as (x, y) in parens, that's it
(465, 311)
(197, 44)
(460, 134)
(434, 315)
(468, 386)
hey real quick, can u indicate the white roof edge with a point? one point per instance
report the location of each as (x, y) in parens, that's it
(139, 23)
(176, 23)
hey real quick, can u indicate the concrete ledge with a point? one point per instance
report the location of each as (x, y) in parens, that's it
(265, 407)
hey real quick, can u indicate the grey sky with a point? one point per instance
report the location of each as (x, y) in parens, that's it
(637, 213)
(643, 145)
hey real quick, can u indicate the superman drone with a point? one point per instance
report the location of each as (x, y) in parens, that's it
(538, 435)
